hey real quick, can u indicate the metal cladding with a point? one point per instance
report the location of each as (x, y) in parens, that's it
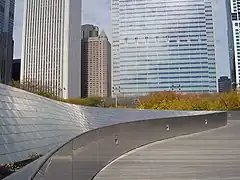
(207, 155)
(33, 124)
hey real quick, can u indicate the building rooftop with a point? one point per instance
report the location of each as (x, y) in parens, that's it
(103, 34)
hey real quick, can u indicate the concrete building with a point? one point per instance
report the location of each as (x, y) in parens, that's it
(157, 46)
(6, 40)
(51, 49)
(16, 68)
(96, 65)
(89, 30)
(224, 84)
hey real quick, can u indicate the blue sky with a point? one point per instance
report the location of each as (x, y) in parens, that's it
(97, 12)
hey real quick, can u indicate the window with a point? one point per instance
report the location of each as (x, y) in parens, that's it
(1, 9)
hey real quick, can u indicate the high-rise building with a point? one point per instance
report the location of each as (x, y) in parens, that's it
(230, 45)
(158, 47)
(51, 49)
(6, 39)
(224, 84)
(235, 9)
(89, 30)
(96, 65)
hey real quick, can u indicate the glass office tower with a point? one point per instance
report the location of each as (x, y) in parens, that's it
(163, 45)
(6, 39)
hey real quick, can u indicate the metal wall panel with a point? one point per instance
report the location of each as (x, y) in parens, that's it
(94, 136)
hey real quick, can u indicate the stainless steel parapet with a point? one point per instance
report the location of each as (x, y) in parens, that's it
(84, 156)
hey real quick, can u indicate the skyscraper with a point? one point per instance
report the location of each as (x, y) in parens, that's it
(96, 63)
(164, 45)
(230, 44)
(51, 49)
(6, 39)
(235, 9)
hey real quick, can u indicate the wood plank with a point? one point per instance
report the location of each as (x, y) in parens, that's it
(210, 155)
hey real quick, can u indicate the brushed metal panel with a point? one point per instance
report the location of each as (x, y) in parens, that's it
(209, 155)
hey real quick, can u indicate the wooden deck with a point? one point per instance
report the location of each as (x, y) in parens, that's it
(210, 155)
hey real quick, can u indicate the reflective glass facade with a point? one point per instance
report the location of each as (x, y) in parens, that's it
(6, 39)
(163, 45)
(2, 8)
(7, 15)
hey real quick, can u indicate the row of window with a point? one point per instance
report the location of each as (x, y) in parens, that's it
(177, 18)
(168, 64)
(168, 23)
(154, 4)
(186, 54)
(181, 78)
(161, 73)
(164, 62)
(161, 43)
(148, 13)
(166, 87)
(165, 50)
(169, 82)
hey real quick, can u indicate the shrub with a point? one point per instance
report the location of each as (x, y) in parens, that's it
(179, 101)
(90, 101)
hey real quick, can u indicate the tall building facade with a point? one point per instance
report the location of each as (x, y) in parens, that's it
(6, 39)
(235, 9)
(230, 38)
(51, 49)
(96, 64)
(163, 45)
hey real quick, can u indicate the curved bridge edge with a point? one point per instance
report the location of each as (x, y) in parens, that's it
(87, 154)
